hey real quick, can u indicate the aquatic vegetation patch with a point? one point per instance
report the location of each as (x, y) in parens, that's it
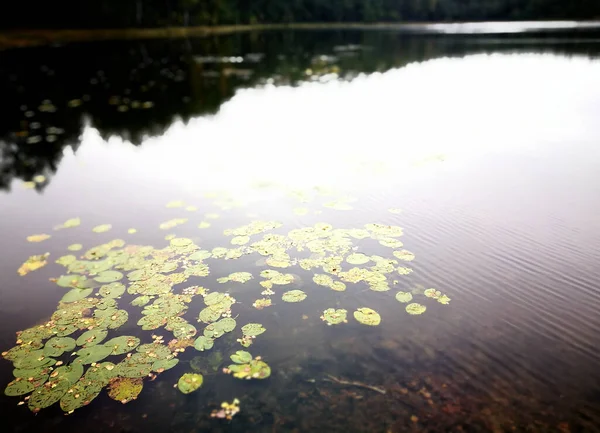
(334, 317)
(189, 382)
(33, 263)
(38, 238)
(367, 316)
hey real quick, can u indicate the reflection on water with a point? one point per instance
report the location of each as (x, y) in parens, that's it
(489, 152)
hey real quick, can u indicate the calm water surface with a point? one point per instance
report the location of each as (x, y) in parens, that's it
(488, 144)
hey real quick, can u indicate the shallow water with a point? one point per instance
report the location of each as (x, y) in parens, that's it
(488, 145)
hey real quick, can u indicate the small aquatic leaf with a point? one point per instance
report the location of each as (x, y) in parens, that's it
(181, 242)
(415, 309)
(357, 259)
(334, 317)
(253, 329)
(140, 301)
(240, 240)
(405, 255)
(116, 320)
(443, 299)
(48, 394)
(92, 337)
(75, 247)
(164, 364)
(404, 297)
(72, 281)
(102, 228)
(123, 344)
(79, 395)
(91, 354)
(241, 357)
(75, 295)
(113, 290)
(108, 276)
(125, 389)
(71, 373)
(172, 223)
(152, 322)
(294, 296)
(37, 238)
(70, 223)
(19, 386)
(390, 242)
(58, 345)
(203, 343)
(367, 316)
(255, 369)
(204, 225)
(189, 382)
(33, 263)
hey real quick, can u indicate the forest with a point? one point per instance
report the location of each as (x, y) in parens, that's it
(162, 13)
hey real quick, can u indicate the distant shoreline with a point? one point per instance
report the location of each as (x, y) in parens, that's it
(29, 38)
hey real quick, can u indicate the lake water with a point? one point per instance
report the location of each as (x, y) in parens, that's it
(483, 148)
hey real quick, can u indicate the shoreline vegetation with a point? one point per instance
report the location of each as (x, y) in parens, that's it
(30, 38)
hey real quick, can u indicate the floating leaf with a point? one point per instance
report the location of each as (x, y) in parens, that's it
(108, 276)
(102, 228)
(334, 317)
(125, 389)
(253, 329)
(203, 343)
(367, 316)
(71, 373)
(189, 382)
(116, 320)
(48, 394)
(259, 304)
(443, 299)
(92, 337)
(71, 281)
(32, 359)
(241, 357)
(238, 277)
(164, 364)
(255, 369)
(58, 345)
(70, 223)
(33, 263)
(18, 387)
(204, 225)
(173, 223)
(415, 309)
(357, 259)
(405, 255)
(240, 240)
(294, 296)
(95, 353)
(123, 344)
(113, 290)
(404, 296)
(140, 301)
(79, 395)
(75, 247)
(181, 242)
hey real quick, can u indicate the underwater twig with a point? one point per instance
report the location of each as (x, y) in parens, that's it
(359, 384)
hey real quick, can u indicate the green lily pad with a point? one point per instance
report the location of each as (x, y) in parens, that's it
(404, 297)
(293, 296)
(367, 316)
(123, 344)
(113, 290)
(241, 357)
(404, 255)
(36, 376)
(357, 259)
(92, 337)
(253, 329)
(203, 343)
(140, 301)
(125, 389)
(109, 276)
(75, 247)
(108, 304)
(152, 322)
(154, 351)
(74, 295)
(63, 331)
(181, 242)
(79, 395)
(102, 228)
(97, 353)
(186, 330)
(34, 359)
(415, 309)
(190, 382)
(48, 394)
(119, 318)
(200, 255)
(255, 369)
(214, 298)
(101, 373)
(227, 324)
(71, 373)
(70, 223)
(71, 281)
(164, 364)
(209, 315)
(19, 386)
(66, 260)
(133, 368)
(334, 317)
(58, 345)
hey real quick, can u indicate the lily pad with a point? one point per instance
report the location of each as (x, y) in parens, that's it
(335, 317)
(253, 329)
(79, 395)
(70, 223)
(140, 301)
(255, 369)
(164, 364)
(72, 281)
(102, 228)
(404, 297)
(33, 263)
(404, 255)
(71, 373)
(19, 386)
(125, 389)
(113, 290)
(357, 259)
(48, 394)
(294, 296)
(189, 382)
(38, 238)
(33, 359)
(96, 353)
(367, 316)
(241, 357)
(75, 247)
(109, 276)
(74, 295)
(415, 309)
(92, 337)
(203, 343)
(58, 345)
(123, 344)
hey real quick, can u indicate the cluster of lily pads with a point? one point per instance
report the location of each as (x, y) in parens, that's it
(78, 352)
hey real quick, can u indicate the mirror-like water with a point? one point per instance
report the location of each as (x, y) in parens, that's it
(483, 150)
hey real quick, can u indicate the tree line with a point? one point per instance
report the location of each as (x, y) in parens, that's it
(160, 13)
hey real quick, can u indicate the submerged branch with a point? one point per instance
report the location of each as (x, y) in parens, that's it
(350, 383)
